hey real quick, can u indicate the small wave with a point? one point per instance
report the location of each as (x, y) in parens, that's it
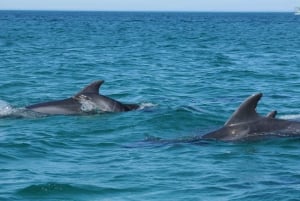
(193, 109)
(57, 189)
(65, 190)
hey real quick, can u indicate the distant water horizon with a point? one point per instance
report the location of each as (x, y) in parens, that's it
(150, 11)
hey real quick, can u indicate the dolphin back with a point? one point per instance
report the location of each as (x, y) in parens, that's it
(65, 106)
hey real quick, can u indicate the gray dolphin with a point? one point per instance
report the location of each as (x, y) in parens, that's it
(272, 114)
(87, 100)
(247, 124)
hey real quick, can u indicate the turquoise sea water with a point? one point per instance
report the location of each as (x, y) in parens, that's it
(190, 70)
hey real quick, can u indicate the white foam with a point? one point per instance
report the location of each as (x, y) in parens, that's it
(290, 116)
(146, 105)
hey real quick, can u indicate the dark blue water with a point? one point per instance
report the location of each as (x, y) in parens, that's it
(190, 70)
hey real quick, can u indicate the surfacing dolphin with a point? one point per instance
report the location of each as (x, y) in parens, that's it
(247, 124)
(85, 101)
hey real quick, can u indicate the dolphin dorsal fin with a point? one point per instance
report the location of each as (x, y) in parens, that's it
(92, 88)
(246, 111)
(272, 114)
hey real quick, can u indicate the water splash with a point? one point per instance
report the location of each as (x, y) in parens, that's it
(290, 116)
(5, 109)
(146, 106)
(8, 111)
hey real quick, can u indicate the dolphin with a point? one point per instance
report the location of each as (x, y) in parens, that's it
(85, 101)
(246, 124)
(272, 114)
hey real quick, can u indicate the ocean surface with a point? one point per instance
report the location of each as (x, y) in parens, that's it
(188, 71)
